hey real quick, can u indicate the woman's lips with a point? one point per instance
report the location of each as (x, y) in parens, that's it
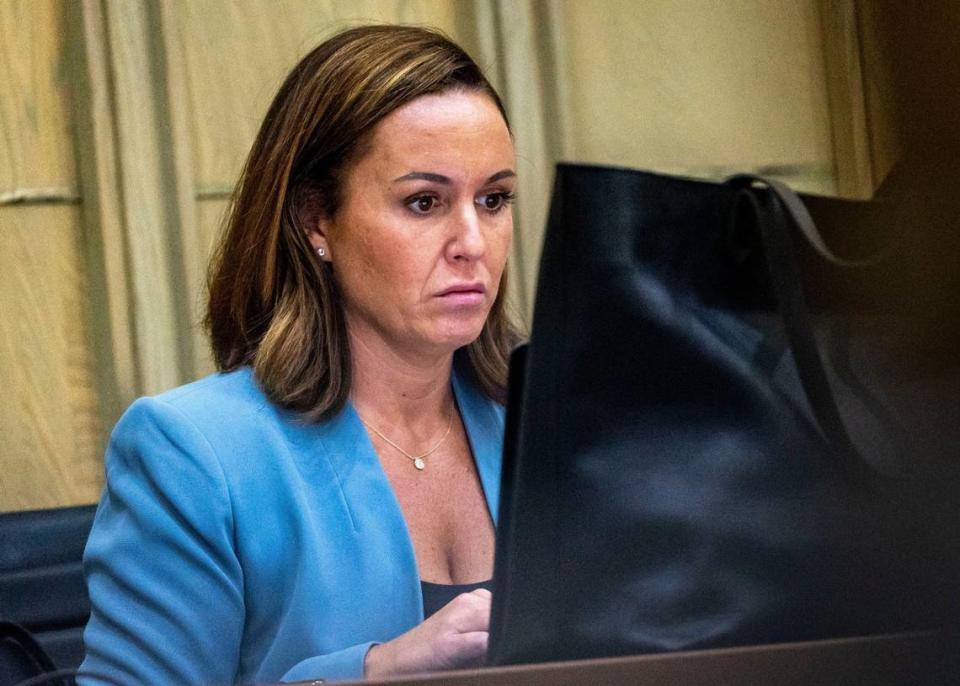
(464, 295)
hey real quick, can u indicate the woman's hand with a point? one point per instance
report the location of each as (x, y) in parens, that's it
(454, 637)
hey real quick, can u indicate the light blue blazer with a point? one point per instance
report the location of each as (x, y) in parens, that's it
(236, 543)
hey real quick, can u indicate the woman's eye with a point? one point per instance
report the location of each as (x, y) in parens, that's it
(494, 202)
(423, 204)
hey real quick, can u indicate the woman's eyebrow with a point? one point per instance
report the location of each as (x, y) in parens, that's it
(423, 176)
(503, 174)
(440, 178)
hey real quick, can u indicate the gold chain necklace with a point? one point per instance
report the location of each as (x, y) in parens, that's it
(416, 459)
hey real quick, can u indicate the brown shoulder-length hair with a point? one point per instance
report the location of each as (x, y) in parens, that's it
(272, 304)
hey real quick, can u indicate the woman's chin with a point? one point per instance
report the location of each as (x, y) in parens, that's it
(453, 338)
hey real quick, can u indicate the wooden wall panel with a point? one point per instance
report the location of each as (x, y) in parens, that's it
(52, 443)
(50, 453)
(700, 86)
(35, 140)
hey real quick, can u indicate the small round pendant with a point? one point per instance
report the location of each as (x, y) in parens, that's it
(418, 463)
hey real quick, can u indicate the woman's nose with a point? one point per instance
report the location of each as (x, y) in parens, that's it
(468, 241)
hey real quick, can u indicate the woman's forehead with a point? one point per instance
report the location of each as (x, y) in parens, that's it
(451, 130)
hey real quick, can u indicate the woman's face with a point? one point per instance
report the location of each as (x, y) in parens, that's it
(423, 231)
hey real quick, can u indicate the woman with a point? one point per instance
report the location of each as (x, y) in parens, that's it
(284, 519)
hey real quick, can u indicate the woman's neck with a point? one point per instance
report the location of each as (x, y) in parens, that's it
(391, 390)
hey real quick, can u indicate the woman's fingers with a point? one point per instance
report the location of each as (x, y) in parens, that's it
(469, 611)
(455, 637)
(464, 623)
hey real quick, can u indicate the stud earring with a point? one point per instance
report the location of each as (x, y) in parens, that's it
(321, 251)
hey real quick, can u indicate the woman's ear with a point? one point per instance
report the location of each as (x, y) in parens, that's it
(317, 235)
(315, 223)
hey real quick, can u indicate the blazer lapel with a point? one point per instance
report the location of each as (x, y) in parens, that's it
(483, 420)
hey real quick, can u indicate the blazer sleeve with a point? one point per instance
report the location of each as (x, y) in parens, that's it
(339, 665)
(166, 589)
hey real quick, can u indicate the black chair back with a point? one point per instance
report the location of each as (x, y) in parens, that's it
(41, 578)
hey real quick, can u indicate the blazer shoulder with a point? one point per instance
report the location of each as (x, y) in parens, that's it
(235, 391)
(224, 412)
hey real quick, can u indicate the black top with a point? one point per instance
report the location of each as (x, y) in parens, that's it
(436, 596)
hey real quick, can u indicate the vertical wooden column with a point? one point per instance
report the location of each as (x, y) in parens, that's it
(848, 109)
(184, 199)
(109, 301)
(863, 116)
(149, 196)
